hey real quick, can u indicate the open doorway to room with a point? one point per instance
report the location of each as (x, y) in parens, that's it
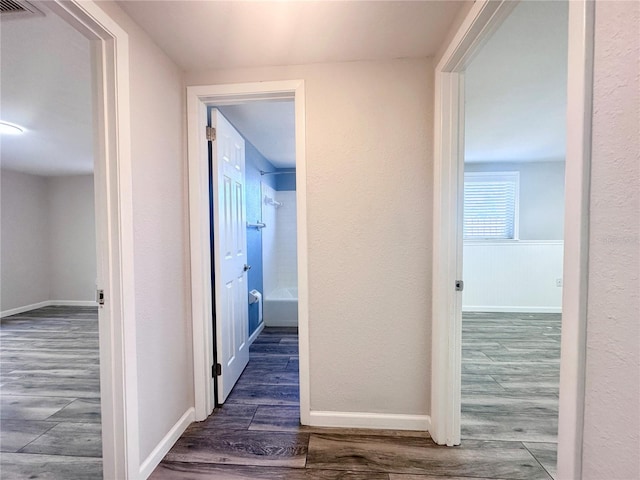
(515, 135)
(269, 234)
(50, 400)
(268, 388)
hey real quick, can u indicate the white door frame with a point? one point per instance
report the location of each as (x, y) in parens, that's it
(198, 99)
(114, 234)
(484, 17)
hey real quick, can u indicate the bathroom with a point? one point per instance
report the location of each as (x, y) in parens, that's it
(269, 131)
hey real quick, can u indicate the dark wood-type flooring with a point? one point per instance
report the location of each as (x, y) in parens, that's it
(510, 380)
(50, 410)
(50, 395)
(510, 383)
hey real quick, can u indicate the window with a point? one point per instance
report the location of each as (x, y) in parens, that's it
(491, 205)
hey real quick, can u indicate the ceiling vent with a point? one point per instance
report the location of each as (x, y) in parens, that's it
(18, 9)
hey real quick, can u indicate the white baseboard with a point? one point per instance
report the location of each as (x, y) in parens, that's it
(158, 453)
(255, 334)
(281, 323)
(26, 308)
(73, 303)
(382, 421)
(495, 309)
(49, 303)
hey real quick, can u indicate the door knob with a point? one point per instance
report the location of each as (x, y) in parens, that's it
(247, 267)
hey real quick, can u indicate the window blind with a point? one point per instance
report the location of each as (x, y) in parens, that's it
(490, 204)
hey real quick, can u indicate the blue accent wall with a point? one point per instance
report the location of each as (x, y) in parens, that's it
(285, 181)
(254, 162)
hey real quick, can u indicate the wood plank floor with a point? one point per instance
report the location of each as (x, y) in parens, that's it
(50, 395)
(510, 380)
(257, 433)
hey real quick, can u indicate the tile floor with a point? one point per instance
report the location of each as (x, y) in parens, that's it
(508, 432)
(50, 395)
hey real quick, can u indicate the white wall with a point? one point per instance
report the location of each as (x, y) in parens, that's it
(541, 196)
(24, 230)
(512, 276)
(48, 239)
(163, 329)
(279, 243)
(369, 197)
(612, 415)
(520, 276)
(269, 238)
(286, 240)
(72, 238)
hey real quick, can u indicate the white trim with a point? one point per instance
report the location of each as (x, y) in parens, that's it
(382, 421)
(576, 244)
(255, 334)
(114, 234)
(509, 309)
(26, 308)
(162, 448)
(198, 97)
(477, 27)
(201, 287)
(49, 303)
(510, 243)
(483, 18)
(73, 303)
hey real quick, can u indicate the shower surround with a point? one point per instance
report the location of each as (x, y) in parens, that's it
(279, 258)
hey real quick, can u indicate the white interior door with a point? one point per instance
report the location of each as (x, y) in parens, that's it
(230, 253)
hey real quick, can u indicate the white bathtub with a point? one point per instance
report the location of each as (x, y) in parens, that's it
(280, 308)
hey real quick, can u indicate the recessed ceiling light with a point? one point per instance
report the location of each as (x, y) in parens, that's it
(7, 128)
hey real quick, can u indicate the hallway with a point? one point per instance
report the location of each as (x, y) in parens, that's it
(256, 435)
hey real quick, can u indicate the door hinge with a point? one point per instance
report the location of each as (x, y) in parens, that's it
(100, 297)
(459, 285)
(216, 370)
(211, 134)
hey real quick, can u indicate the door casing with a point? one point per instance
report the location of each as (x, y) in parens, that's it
(482, 20)
(198, 99)
(114, 233)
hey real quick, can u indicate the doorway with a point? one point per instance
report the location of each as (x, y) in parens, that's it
(268, 388)
(113, 237)
(514, 162)
(199, 99)
(479, 24)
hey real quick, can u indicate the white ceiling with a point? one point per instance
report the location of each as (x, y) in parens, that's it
(200, 35)
(223, 34)
(269, 126)
(45, 80)
(516, 88)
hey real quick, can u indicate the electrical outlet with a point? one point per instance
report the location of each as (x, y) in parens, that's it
(558, 282)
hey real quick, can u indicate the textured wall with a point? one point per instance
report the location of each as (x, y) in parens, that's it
(48, 239)
(612, 415)
(73, 238)
(160, 216)
(24, 231)
(369, 194)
